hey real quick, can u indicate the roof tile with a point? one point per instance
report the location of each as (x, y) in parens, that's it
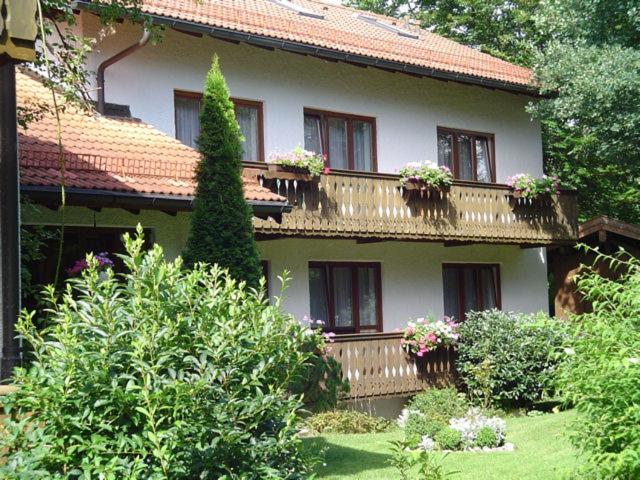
(107, 153)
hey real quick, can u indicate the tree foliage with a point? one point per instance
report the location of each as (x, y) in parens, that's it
(503, 28)
(158, 373)
(221, 231)
(600, 373)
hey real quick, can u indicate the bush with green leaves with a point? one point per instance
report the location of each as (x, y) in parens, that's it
(600, 372)
(486, 437)
(439, 404)
(417, 425)
(347, 421)
(448, 439)
(157, 373)
(509, 358)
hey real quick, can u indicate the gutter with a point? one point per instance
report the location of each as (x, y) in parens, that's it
(146, 35)
(48, 195)
(327, 53)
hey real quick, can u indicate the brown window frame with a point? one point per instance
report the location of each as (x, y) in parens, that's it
(257, 104)
(455, 132)
(356, 328)
(324, 138)
(476, 267)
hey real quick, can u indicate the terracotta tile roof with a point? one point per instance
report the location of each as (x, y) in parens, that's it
(341, 30)
(107, 153)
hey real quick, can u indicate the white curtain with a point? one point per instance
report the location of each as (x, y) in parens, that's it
(445, 156)
(342, 297)
(464, 155)
(338, 143)
(318, 294)
(489, 291)
(483, 159)
(187, 119)
(312, 134)
(367, 299)
(247, 118)
(362, 146)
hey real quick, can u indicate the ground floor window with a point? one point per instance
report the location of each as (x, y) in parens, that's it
(346, 295)
(470, 287)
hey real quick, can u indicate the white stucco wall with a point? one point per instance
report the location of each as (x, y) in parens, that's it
(411, 271)
(407, 109)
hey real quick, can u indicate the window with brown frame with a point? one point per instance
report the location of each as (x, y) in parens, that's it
(248, 115)
(469, 155)
(347, 296)
(470, 287)
(348, 141)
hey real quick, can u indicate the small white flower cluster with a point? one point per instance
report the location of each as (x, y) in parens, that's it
(472, 422)
(426, 444)
(404, 416)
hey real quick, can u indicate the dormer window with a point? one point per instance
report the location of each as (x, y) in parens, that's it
(469, 155)
(248, 115)
(306, 12)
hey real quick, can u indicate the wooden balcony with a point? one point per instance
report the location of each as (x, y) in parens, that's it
(376, 366)
(370, 207)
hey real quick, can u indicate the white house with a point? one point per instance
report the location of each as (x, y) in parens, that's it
(370, 92)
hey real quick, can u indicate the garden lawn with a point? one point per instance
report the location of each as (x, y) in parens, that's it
(542, 452)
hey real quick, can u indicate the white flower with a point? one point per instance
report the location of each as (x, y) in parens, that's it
(569, 351)
(634, 360)
(426, 444)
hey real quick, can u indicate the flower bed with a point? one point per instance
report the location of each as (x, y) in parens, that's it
(525, 185)
(298, 161)
(426, 334)
(425, 176)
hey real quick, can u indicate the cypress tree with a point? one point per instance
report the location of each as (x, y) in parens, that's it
(221, 231)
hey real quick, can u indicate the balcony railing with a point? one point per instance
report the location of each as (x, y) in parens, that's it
(375, 207)
(376, 366)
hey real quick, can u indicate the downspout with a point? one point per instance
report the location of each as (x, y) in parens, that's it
(116, 58)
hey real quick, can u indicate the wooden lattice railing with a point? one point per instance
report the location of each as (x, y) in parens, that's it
(374, 206)
(376, 366)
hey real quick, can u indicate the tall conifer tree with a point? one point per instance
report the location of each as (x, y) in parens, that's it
(221, 231)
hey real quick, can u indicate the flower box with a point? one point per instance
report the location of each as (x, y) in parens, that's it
(428, 177)
(537, 190)
(426, 335)
(289, 172)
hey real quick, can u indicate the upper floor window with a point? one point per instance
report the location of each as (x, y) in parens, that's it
(248, 116)
(470, 287)
(469, 155)
(346, 295)
(348, 141)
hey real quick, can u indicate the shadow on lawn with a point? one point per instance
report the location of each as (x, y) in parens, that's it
(341, 460)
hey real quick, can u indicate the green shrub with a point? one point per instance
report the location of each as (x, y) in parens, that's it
(347, 421)
(159, 373)
(448, 439)
(221, 230)
(439, 405)
(418, 425)
(486, 437)
(600, 373)
(509, 357)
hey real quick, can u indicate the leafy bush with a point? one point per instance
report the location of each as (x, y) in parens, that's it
(600, 374)
(347, 421)
(159, 373)
(418, 425)
(439, 404)
(508, 356)
(448, 439)
(486, 437)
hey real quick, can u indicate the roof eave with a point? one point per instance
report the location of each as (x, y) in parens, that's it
(322, 52)
(93, 198)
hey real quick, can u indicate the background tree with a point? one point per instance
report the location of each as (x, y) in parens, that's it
(221, 231)
(503, 28)
(591, 67)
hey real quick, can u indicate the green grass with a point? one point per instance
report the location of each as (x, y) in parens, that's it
(542, 452)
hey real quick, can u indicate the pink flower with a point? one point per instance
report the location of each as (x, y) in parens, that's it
(409, 331)
(420, 353)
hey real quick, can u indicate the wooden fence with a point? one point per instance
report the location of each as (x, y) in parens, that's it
(375, 206)
(376, 366)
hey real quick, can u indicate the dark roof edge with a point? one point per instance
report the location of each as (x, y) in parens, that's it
(322, 52)
(133, 200)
